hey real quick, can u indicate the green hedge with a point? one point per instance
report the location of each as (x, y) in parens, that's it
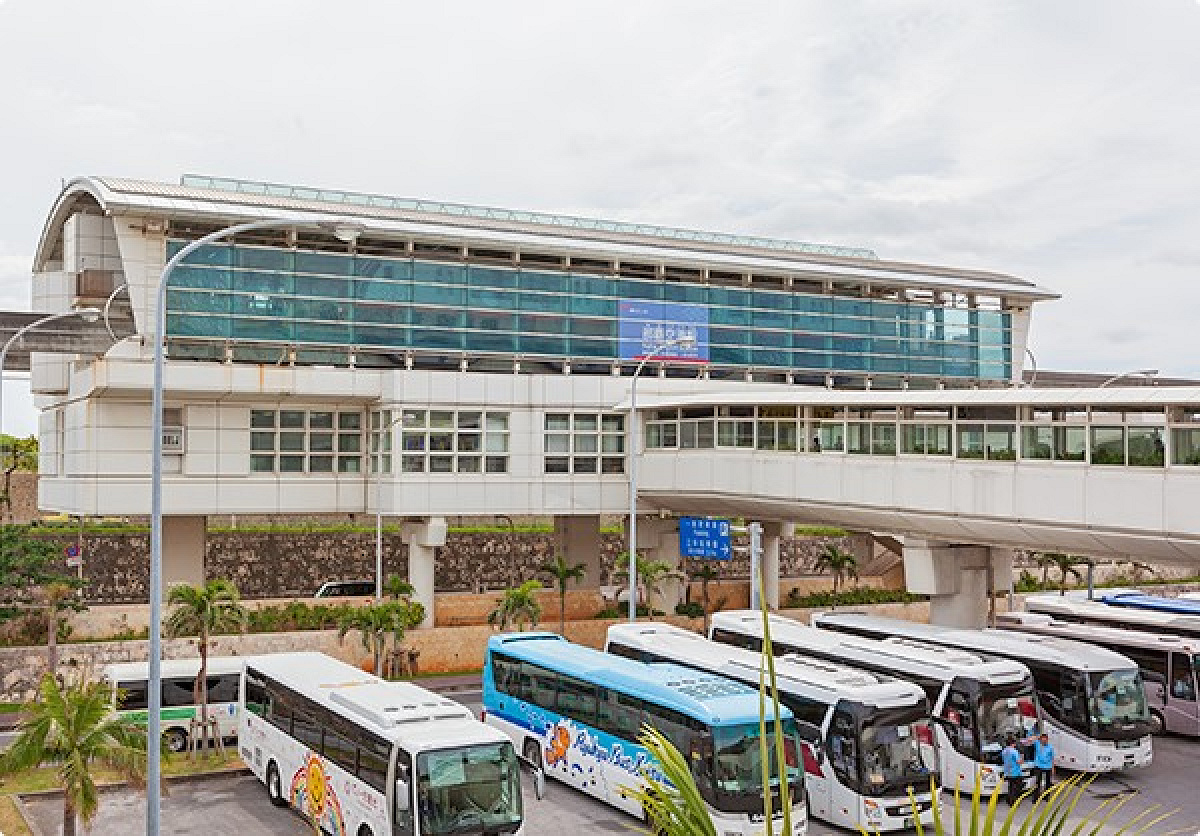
(850, 597)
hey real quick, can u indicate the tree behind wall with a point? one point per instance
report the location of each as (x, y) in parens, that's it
(562, 573)
(840, 564)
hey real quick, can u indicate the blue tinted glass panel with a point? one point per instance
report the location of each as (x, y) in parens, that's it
(377, 335)
(959, 369)
(990, 319)
(771, 319)
(729, 316)
(490, 342)
(214, 254)
(628, 289)
(383, 291)
(424, 271)
(490, 321)
(556, 346)
(993, 371)
(772, 301)
(849, 345)
(781, 339)
(851, 307)
(887, 364)
(263, 282)
(728, 336)
(478, 297)
(193, 325)
(888, 310)
(765, 357)
(322, 310)
(545, 302)
(382, 268)
(724, 297)
(262, 329)
(262, 304)
(324, 263)
(594, 307)
(696, 294)
(958, 351)
(200, 277)
(593, 348)
(322, 286)
(436, 318)
(532, 280)
(433, 294)
(491, 277)
(879, 346)
(380, 313)
(253, 258)
(728, 356)
(436, 338)
(197, 301)
(811, 322)
(592, 286)
(593, 327)
(314, 332)
(810, 360)
(926, 366)
(807, 303)
(850, 362)
(885, 327)
(846, 325)
(813, 342)
(534, 324)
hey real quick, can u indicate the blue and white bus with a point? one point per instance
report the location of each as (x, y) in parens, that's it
(576, 713)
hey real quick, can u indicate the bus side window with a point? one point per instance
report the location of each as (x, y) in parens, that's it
(843, 754)
(545, 688)
(503, 673)
(223, 688)
(178, 692)
(1183, 683)
(257, 701)
(577, 700)
(627, 717)
(132, 696)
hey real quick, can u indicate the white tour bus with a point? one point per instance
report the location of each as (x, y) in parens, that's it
(131, 695)
(875, 729)
(365, 757)
(1092, 702)
(1168, 664)
(976, 702)
(1075, 606)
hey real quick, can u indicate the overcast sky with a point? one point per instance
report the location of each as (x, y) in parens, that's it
(1059, 141)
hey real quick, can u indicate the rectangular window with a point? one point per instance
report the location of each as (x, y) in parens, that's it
(572, 442)
(1108, 445)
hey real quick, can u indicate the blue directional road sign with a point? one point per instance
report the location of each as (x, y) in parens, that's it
(701, 537)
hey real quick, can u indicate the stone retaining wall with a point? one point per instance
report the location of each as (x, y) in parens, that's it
(279, 564)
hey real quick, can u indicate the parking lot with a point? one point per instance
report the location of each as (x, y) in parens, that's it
(237, 805)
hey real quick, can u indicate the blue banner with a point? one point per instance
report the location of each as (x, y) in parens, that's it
(702, 537)
(644, 327)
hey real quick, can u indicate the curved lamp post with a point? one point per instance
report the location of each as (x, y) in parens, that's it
(634, 436)
(87, 314)
(1146, 373)
(345, 231)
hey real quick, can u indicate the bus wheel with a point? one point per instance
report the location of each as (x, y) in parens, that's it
(1157, 724)
(365, 831)
(274, 787)
(533, 752)
(177, 740)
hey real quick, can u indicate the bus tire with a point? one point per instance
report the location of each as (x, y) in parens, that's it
(275, 786)
(533, 753)
(365, 831)
(1158, 725)
(177, 740)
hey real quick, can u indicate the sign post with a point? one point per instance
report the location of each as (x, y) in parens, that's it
(74, 555)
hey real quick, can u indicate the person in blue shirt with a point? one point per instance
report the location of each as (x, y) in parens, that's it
(1013, 774)
(1043, 763)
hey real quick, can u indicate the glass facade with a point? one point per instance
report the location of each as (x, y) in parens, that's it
(307, 299)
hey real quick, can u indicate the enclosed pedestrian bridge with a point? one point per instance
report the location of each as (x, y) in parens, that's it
(1105, 472)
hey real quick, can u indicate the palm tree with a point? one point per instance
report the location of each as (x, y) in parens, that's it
(201, 611)
(518, 605)
(1065, 563)
(650, 573)
(377, 623)
(705, 572)
(74, 729)
(563, 573)
(841, 565)
(57, 597)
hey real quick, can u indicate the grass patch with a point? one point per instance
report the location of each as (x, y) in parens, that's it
(820, 531)
(11, 707)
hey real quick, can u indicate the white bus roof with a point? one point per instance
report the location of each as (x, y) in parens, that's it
(1071, 654)
(1049, 625)
(1078, 604)
(398, 711)
(904, 655)
(812, 678)
(173, 668)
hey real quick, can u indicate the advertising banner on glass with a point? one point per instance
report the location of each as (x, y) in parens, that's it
(702, 537)
(645, 326)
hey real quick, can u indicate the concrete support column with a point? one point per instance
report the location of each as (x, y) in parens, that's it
(955, 577)
(578, 540)
(772, 535)
(183, 547)
(659, 540)
(422, 539)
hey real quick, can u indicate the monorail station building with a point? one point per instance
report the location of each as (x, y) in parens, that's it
(366, 353)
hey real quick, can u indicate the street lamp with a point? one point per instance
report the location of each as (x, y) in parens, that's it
(1146, 373)
(384, 433)
(343, 231)
(86, 314)
(685, 341)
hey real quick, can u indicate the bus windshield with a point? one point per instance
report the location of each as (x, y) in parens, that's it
(1118, 701)
(470, 789)
(1005, 710)
(893, 758)
(737, 764)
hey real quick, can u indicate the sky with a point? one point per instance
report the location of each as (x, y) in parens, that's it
(1057, 141)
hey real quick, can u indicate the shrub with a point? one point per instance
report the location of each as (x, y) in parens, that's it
(858, 595)
(690, 609)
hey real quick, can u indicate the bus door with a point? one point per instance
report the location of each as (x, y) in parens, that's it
(1182, 707)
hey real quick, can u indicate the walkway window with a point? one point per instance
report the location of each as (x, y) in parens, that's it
(593, 443)
(1108, 445)
(927, 439)
(1185, 446)
(858, 437)
(446, 441)
(1001, 442)
(883, 439)
(300, 441)
(970, 441)
(1146, 447)
(831, 437)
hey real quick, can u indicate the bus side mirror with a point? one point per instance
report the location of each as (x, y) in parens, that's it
(811, 736)
(539, 777)
(402, 804)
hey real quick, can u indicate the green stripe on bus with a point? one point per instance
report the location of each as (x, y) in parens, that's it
(185, 713)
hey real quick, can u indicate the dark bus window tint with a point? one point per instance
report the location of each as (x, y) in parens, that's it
(843, 749)
(577, 700)
(341, 751)
(373, 763)
(256, 693)
(178, 692)
(627, 717)
(545, 688)
(223, 688)
(279, 713)
(1183, 684)
(504, 672)
(131, 696)
(307, 730)
(736, 639)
